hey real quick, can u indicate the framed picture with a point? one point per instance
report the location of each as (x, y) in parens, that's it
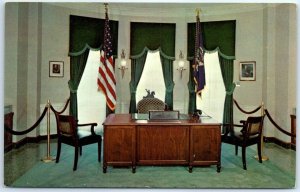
(56, 69)
(247, 71)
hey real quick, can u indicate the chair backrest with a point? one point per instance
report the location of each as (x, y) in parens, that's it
(146, 104)
(254, 125)
(66, 125)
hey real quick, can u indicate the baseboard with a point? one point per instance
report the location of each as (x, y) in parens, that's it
(279, 142)
(26, 140)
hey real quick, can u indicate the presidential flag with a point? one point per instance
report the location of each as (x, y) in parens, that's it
(199, 73)
(106, 78)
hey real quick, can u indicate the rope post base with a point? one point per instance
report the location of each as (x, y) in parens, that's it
(263, 158)
(48, 159)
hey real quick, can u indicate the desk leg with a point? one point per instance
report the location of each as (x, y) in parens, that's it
(104, 167)
(190, 168)
(133, 169)
(218, 168)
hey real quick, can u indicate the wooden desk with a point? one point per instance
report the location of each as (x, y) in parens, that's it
(129, 142)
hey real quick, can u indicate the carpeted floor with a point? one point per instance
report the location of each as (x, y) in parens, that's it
(269, 174)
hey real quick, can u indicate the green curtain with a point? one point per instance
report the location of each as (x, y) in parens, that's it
(217, 36)
(85, 34)
(167, 67)
(226, 64)
(137, 66)
(77, 65)
(153, 36)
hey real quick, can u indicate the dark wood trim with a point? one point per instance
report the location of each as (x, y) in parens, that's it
(279, 142)
(26, 140)
(20, 143)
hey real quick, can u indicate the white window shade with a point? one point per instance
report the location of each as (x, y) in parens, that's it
(213, 96)
(91, 102)
(152, 78)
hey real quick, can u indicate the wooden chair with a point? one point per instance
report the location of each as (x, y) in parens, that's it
(70, 133)
(249, 133)
(146, 104)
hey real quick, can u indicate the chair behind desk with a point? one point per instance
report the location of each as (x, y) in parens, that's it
(147, 104)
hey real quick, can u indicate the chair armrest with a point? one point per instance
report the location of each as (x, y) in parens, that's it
(89, 124)
(243, 127)
(242, 122)
(236, 125)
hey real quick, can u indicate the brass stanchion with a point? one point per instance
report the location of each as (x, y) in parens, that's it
(263, 157)
(48, 158)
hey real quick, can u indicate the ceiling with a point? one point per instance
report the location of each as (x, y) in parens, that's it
(164, 9)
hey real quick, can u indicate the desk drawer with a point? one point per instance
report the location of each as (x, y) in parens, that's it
(162, 144)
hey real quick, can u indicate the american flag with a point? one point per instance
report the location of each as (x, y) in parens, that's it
(199, 72)
(106, 77)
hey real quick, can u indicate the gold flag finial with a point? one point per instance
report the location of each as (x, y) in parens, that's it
(197, 12)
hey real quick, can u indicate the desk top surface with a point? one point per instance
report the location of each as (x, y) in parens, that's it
(130, 119)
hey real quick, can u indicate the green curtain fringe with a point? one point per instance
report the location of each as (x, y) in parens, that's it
(90, 48)
(217, 49)
(152, 51)
(87, 46)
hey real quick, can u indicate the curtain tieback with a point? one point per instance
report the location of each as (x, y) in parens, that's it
(71, 87)
(230, 92)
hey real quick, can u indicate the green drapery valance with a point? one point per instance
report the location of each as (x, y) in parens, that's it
(153, 36)
(215, 34)
(87, 32)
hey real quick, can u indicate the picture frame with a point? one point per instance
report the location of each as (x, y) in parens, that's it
(56, 68)
(247, 71)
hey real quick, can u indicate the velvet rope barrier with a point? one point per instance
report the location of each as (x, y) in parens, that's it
(29, 129)
(38, 121)
(63, 110)
(268, 115)
(277, 126)
(247, 112)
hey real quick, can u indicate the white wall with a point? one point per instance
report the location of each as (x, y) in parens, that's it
(262, 36)
(11, 58)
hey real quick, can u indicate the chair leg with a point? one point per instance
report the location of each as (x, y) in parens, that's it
(244, 157)
(259, 151)
(75, 158)
(80, 150)
(236, 149)
(58, 151)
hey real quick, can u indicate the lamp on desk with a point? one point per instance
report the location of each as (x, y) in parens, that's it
(123, 63)
(181, 64)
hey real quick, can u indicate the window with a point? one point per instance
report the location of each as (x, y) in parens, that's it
(152, 78)
(212, 100)
(91, 102)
